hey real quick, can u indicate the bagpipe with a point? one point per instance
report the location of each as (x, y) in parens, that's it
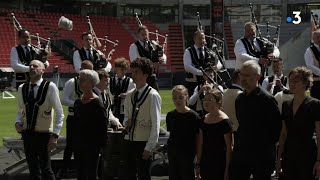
(43, 47)
(103, 57)
(157, 50)
(216, 52)
(267, 46)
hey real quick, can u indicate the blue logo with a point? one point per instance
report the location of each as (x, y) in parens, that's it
(289, 19)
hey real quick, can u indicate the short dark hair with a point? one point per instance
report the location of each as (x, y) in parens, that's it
(102, 73)
(143, 27)
(21, 32)
(121, 63)
(85, 34)
(144, 64)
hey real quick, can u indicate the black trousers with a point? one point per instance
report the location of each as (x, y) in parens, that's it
(37, 155)
(137, 165)
(241, 168)
(180, 163)
(69, 150)
(315, 90)
(87, 159)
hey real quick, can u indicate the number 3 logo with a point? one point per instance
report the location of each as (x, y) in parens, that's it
(297, 17)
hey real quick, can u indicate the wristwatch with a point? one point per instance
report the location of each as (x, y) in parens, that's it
(55, 135)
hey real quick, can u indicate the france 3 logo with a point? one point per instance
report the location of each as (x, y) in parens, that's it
(296, 18)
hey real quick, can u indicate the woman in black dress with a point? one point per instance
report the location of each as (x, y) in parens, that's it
(215, 139)
(92, 122)
(183, 125)
(298, 155)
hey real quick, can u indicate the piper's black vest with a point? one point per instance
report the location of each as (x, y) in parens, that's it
(250, 49)
(107, 103)
(32, 107)
(95, 57)
(197, 63)
(316, 54)
(116, 91)
(277, 89)
(23, 77)
(145, 53)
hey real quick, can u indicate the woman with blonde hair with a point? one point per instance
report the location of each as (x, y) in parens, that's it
(183, 125)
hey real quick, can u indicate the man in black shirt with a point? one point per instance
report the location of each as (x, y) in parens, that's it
(259, 128)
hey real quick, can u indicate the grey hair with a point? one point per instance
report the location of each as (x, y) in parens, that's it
(90, 75)
(253, 65)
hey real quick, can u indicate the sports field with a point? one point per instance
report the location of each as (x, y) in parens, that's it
(8, 109)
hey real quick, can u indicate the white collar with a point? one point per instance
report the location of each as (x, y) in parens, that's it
(38, 83)
(143, 88)
(123, 77)
(142, 43)
(24, 46)
(198, 47)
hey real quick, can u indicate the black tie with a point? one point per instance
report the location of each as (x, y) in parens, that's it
(200, 54)
(28, 55)
(136, 96)
(89, 54)
(145, 45)
(31, 93)
(103, 98)
(118, 86)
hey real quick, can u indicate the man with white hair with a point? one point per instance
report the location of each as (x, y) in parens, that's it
(37, 100)
(259, 128)
(70, 93)
(312, 59)
(250, 48)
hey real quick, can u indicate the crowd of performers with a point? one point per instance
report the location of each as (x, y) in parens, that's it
(254, 127)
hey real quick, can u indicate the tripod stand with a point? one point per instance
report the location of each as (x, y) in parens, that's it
(57, 80)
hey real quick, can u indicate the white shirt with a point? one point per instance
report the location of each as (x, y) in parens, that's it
(15, 61)
(67, 98)
(77, 61)
(189, 67)
(309, 60)
(265, 83)
(155, 111)
(113, 120)
(134, 53)
(242, 55)
(53, 95)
